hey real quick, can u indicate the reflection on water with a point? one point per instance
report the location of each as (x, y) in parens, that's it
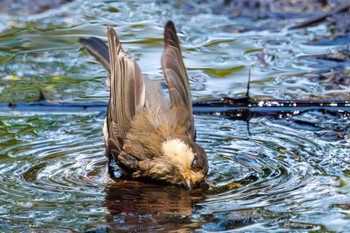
(266, 174)
(142, 207)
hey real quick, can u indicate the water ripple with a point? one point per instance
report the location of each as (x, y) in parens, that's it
(39, 179)
(289, 174)
(266, 165)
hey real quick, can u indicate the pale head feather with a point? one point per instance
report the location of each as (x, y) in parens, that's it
(178, 154)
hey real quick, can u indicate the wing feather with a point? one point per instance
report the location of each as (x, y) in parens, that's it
(127, 93)
(97, 48)
(175, 72)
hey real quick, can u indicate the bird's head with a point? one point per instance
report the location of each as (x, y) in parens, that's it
(189, 162)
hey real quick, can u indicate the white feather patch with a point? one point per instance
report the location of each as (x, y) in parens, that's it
(178, 153)
(105, 132)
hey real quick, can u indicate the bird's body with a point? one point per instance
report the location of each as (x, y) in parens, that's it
(149, 136)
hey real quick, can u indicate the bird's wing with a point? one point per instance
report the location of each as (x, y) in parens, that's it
(97, 48)
(127, 92)
(175, 72)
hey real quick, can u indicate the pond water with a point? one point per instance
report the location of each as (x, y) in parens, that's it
(266, 174)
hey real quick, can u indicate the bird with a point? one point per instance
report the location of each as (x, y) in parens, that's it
(151, 137)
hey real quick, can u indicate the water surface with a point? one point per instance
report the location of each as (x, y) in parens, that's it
(266, 174)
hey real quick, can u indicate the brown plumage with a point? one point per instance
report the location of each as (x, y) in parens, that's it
(148, 136)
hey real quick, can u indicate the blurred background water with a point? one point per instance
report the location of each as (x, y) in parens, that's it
(266, 174)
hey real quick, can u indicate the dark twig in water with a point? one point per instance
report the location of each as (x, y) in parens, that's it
(237, 108)
(248, 98)
(246, 108)
(248, 84)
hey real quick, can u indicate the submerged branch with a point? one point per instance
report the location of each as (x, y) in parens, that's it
(240, 107)
(245, 107)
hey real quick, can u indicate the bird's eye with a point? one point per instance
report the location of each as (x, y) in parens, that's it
(195, 161)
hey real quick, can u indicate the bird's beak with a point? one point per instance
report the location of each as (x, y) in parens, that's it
(188, 185)
(187, 180)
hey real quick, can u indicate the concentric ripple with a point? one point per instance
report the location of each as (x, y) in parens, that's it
(50, 167)
(263, 171)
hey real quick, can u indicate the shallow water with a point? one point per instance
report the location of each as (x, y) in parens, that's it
(266, 174)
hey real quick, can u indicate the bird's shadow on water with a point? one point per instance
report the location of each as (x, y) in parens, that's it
(135, 206)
